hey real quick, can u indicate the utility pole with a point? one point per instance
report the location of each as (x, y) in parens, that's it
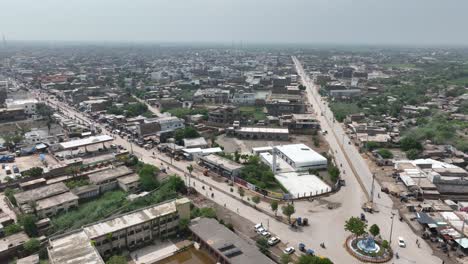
(391, 229)
(372, 188)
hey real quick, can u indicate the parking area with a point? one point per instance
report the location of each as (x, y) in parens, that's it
(25, 163)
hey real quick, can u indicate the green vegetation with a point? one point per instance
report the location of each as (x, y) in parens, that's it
(147, 174)
(77, 183)
(32, 245)
(385, 153)
(252, 112)
(114, 202)
(256, 199)
(333, 171)
(9, 193)
(374, 230)
(29, 224)
(206, 212)
(262, 244)
(12, 229)
(342, 109)
(308, 259)
(259, 174)
(285, 258)
(274, 206)
(355, 226)
(117, 260)
(186, 132)
(183, 112)
(241, 192)
(129, 110)
(33, 172)
(288, 210)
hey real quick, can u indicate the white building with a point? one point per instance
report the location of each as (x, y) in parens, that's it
(29, 106)
(170, 123)
(301, 157)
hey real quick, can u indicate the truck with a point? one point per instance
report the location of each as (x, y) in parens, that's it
(7, 158)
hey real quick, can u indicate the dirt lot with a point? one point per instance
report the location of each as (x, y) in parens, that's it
(27, 162)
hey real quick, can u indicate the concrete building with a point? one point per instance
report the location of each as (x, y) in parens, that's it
(261, 133)
(12, 114)
(107, 179)
(281, 104)
(300, 123)
(223, 116)
(56, 204)
(23, 198)
(243, 98)
(195, 142)
(158, 125)
(11, 245)
(221, 165)
(211, 95)
(28, 105)
(301, 157)
(224, 245)
(33, 259)
(95, 105)
(127, 231)
(129, 183)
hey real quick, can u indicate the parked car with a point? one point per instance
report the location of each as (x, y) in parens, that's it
(273, 241)
(15, 169)
(257, 226)
(401, 242)
(261, 230)
(289, 250)
(265, 233)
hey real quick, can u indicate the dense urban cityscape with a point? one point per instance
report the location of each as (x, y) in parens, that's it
(199, 153)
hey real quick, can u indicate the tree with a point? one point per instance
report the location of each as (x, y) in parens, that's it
(190, 169)
(262, 244)
(256, 199)
(385, 153)
(147, 175)
(74, 170)
(183, 225)
(301, 87)
(410, 142)
(385, 244)
(241, 192)
(316, 141)
(32, 245)
(207, 212)
(29, 224)
(355, 226)
(334, 172)
(274, 206)
(117, 260)
(412, 154)
(288, 210)
(374, 230)
(285, 258)
(33, 172)
(309, 259)
(10, 194)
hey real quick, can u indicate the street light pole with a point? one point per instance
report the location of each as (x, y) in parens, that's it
(391, 229)
(372, 188)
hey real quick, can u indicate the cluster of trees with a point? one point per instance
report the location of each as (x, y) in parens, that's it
(147, 174)
(334, 172)
(129, 110)
(358, 228)
(186, 132)
(385, 153)
(26, 223)
(33, 172)
(342, 109)
(258, 173)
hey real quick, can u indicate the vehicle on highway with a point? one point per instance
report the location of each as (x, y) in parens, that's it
(273, 241)
(401, 242)
(289, 250)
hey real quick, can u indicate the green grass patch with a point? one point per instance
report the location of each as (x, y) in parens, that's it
(341, 109)
(253, 111)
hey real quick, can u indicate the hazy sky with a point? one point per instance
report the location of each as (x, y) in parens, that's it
(267, 21)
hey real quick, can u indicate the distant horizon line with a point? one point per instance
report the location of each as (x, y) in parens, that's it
(236, 43)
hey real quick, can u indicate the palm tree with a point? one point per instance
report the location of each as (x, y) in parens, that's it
(190, 169)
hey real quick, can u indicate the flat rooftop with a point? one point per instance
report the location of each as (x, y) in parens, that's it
(227, 243)
(85, 141)
(268, 130)
(300, 153)
(300, 184)
(109, 174)
(56, 200)
(129, 179)
(131, 219)
(220, 161)
(13, 241)
(74, 248)
(40, 193)
(200, 141)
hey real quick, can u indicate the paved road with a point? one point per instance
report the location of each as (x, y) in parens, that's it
(354, 165)
(325, 225)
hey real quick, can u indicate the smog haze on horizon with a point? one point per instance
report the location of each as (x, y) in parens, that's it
(419, 22)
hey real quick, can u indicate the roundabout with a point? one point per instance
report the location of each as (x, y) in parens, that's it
(368, 249)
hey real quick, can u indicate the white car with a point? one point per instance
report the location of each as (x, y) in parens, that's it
(401, 242)
(265, 234)
(257, 226)
(261, 230)
(273, 241)
(289, 250)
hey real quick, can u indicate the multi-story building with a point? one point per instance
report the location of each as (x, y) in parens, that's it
(211, 95)
(29, 106)
(159, 125)
(55, 204)
(243, 98)
(221, 165)
(107, 179)
(127, 231)
(12, 114)
(281, 104)
(223, 116)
